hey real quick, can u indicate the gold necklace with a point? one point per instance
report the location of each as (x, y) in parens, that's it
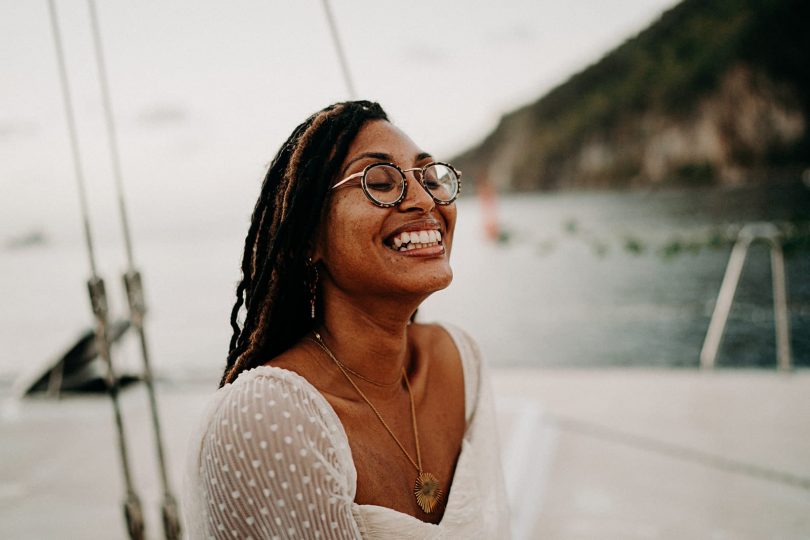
(426, 489)
(353, 372)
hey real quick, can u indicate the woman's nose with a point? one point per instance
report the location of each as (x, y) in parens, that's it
(417, 195)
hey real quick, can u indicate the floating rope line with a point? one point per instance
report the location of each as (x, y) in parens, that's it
(133, 283)
(344, 65)
(683, 453)
(98, 297)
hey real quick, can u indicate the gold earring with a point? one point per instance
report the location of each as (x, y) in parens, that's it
(312, 280)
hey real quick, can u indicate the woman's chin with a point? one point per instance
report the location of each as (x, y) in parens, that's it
(433, 283)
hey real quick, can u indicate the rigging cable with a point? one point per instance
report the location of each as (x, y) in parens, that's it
(133, 283)
(344, 65)
(98, 298)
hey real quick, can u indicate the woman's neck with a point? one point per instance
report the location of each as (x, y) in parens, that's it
(369, 338)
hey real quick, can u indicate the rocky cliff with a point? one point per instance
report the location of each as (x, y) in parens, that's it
(712, 92)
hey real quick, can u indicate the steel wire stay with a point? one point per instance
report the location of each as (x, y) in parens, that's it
(133, 283)
(97, 291)
(344, 64)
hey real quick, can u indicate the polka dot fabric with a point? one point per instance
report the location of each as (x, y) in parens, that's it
(271, 459)
(274, 466)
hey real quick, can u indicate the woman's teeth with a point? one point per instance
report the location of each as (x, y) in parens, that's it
(417, 239)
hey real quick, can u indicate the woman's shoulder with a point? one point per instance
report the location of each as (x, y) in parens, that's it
(271, 376)
(272, 442)
(268, 396)
(449, 341)
(269, 405)
(271, 385)
(445, 334)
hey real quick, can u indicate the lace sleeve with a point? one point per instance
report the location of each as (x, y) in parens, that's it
(274, 465)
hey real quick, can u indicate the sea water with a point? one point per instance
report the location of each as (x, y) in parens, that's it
(577, 279)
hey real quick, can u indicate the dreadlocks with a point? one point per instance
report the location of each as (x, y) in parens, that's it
(284, 222)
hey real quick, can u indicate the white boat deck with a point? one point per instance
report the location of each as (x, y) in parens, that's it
(658, 454)
(596, 453)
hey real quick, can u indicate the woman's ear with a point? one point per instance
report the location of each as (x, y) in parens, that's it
(316, 248)
(314, 251)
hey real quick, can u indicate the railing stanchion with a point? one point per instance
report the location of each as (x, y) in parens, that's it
(725, 298)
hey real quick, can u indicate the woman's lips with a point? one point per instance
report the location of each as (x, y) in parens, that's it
(428, 251)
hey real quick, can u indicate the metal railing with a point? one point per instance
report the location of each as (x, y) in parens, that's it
(750, 233)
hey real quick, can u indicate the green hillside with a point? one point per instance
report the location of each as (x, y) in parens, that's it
(714, 91)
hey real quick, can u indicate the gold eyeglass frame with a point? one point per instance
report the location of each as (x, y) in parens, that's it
(419, 178)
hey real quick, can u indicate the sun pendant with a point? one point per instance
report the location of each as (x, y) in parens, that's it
(427, 491)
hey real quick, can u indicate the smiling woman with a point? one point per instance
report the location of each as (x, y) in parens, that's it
(338, 415)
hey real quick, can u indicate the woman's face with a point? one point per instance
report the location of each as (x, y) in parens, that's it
(357, 243)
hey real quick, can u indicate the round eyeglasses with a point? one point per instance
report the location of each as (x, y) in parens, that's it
(385, 184)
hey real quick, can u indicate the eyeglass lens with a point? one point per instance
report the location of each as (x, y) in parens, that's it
(385, 184)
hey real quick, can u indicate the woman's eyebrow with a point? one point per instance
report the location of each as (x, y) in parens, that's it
(380, 155)
(364, 155)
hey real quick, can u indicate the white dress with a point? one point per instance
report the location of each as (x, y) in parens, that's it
(270, 459)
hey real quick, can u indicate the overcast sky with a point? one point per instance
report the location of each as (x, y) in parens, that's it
(205, 91)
